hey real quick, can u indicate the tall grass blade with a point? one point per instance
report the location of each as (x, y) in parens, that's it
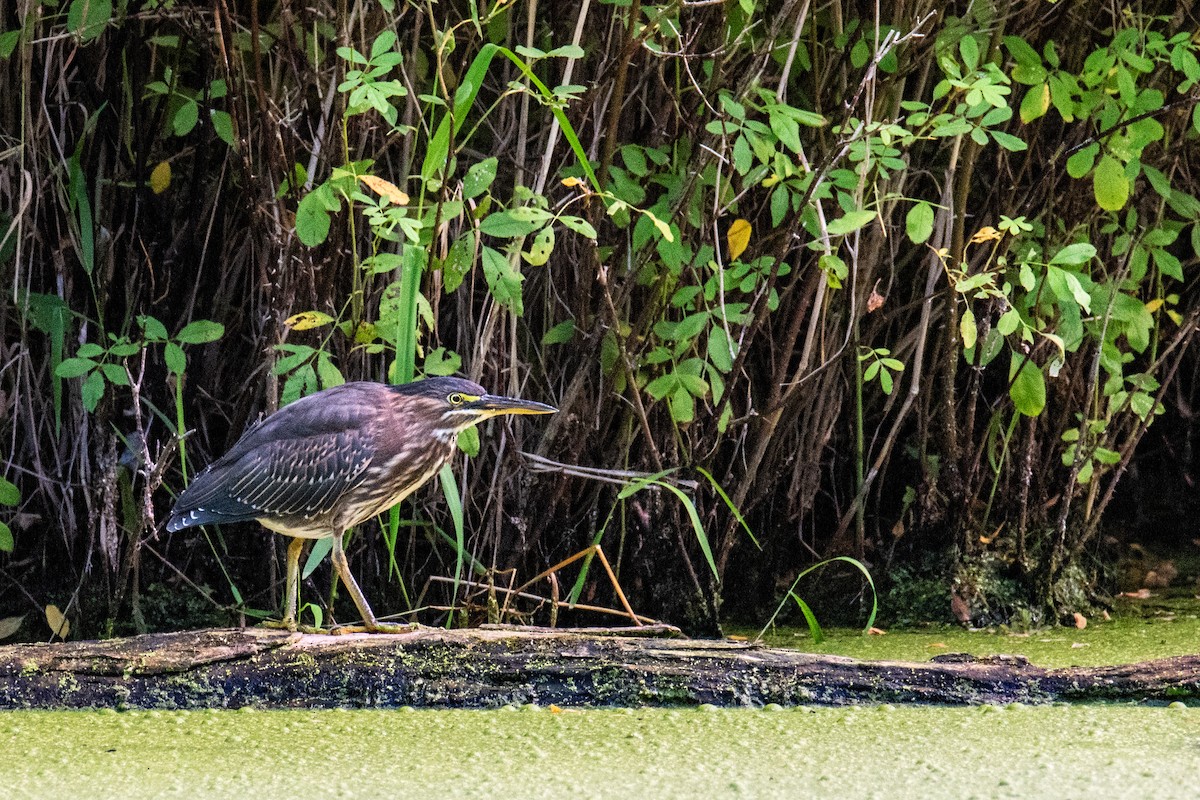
(791, 593)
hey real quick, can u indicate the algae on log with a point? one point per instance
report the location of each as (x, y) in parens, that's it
(495, 666)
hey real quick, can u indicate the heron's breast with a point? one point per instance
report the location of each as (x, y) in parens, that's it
(390, 479)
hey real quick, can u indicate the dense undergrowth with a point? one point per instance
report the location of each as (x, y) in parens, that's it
(908, 288)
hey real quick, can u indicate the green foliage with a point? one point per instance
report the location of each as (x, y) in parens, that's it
(106, 365)
(10, 495)
(704, 234)
(879, 366)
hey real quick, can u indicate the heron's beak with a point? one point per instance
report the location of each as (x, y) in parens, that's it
(494, 405)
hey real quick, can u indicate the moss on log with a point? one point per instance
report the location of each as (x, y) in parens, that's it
(496, 666)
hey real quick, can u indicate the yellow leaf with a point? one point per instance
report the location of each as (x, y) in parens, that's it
(160, 177)
(569, 182)
(385, 189)
(10, 625)
(663, 228)
(1154, 305)
(57, 622)
(985, 234)
(307, 319)
(738, 238)
(771, 180)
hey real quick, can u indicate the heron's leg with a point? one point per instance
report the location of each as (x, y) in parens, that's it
(292, 600)
(370, 623)
(292, 590)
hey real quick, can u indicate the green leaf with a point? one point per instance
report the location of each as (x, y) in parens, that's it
(504, 280)
(1167, 263)
(1026, 278)
(1029, 67)
(468, 441)
(851, 222)
(543, 245)
(1009, 142)
(320, 549)
(1078, 253)
(10, 495)
(175, 359)
(8, 43)
(1110, 184)
(1036, 103)
(6, 539)
(223, 126)
(662, 385)
(690, 326)
(479, 178)
(200, 331)
(441, 361)
(329, 374)
(312, 216)
(918, 224)
(579, 225)
(683, 405)
(1028, 386)
(1080, 164)
(966, 326)
(720, 350)
(992, 344)
(92, 390)
(1008, 322)
(561, 333)
(74, 367)
(814, 628)
(507, 225)
(87, 18)
(115, 374)
(154, 330)
(185, 118)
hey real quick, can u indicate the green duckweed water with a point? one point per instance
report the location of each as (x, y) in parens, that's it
(1142, 631)
(1101, 644)
(896, 753)
(882, 751)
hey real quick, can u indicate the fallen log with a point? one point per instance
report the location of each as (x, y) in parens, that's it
(496, 666)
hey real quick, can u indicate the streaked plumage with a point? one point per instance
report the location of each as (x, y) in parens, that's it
(336, 458)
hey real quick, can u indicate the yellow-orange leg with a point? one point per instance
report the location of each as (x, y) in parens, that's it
(370, 623)
(291, 599)
(612, 577)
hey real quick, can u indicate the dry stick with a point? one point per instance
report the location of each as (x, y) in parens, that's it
(597, 551)
(509, 593)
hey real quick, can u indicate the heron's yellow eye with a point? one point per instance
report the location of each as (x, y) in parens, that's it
(455, 399)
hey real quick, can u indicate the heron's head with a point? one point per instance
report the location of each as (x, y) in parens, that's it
(456, 403)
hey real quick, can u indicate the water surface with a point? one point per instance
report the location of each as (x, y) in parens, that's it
(880, 751)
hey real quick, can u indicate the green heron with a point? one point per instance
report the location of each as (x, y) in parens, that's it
(327, 462)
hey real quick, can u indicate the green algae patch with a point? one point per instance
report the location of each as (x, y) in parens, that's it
(1125, 640)
(884, 751)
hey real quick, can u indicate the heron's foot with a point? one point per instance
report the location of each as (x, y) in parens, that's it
(378, 627)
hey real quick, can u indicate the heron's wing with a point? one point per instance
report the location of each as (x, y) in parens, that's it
(296, 464)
